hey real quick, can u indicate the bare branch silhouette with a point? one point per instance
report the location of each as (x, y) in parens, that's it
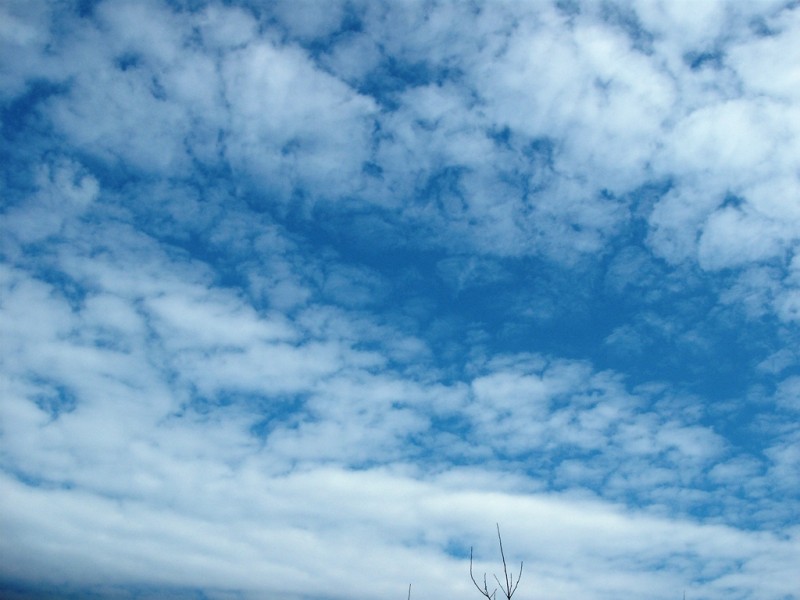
(485, 590)
(509, 587)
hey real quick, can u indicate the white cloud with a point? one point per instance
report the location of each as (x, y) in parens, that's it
(590, 415)
(727, 143)
(788, 305)
(769, 65)
(788, 393)
(615, 116)
(733, 238)
(64, 191)
(200, 390)
(291, 119)
(304, 20)
(227, 27)
(266, 550)
(23, 38)
(201, 320)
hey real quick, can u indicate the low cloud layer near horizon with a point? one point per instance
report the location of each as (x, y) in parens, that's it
(298, 299)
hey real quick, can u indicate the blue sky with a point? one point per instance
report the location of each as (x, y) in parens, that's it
(299, 299)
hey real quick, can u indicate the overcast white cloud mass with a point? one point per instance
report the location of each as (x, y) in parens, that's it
(299, 298)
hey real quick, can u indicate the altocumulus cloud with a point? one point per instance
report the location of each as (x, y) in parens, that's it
(298, 299)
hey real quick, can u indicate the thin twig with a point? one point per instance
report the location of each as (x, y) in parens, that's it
(510, 585)
(485, 590)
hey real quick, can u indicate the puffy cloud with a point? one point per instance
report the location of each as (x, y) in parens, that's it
(291, 295)
(24, 36)
(293, 125)
(268, 552)
(64, 190)
(732, 238)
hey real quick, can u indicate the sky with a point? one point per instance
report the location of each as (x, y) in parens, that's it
(300, 299)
